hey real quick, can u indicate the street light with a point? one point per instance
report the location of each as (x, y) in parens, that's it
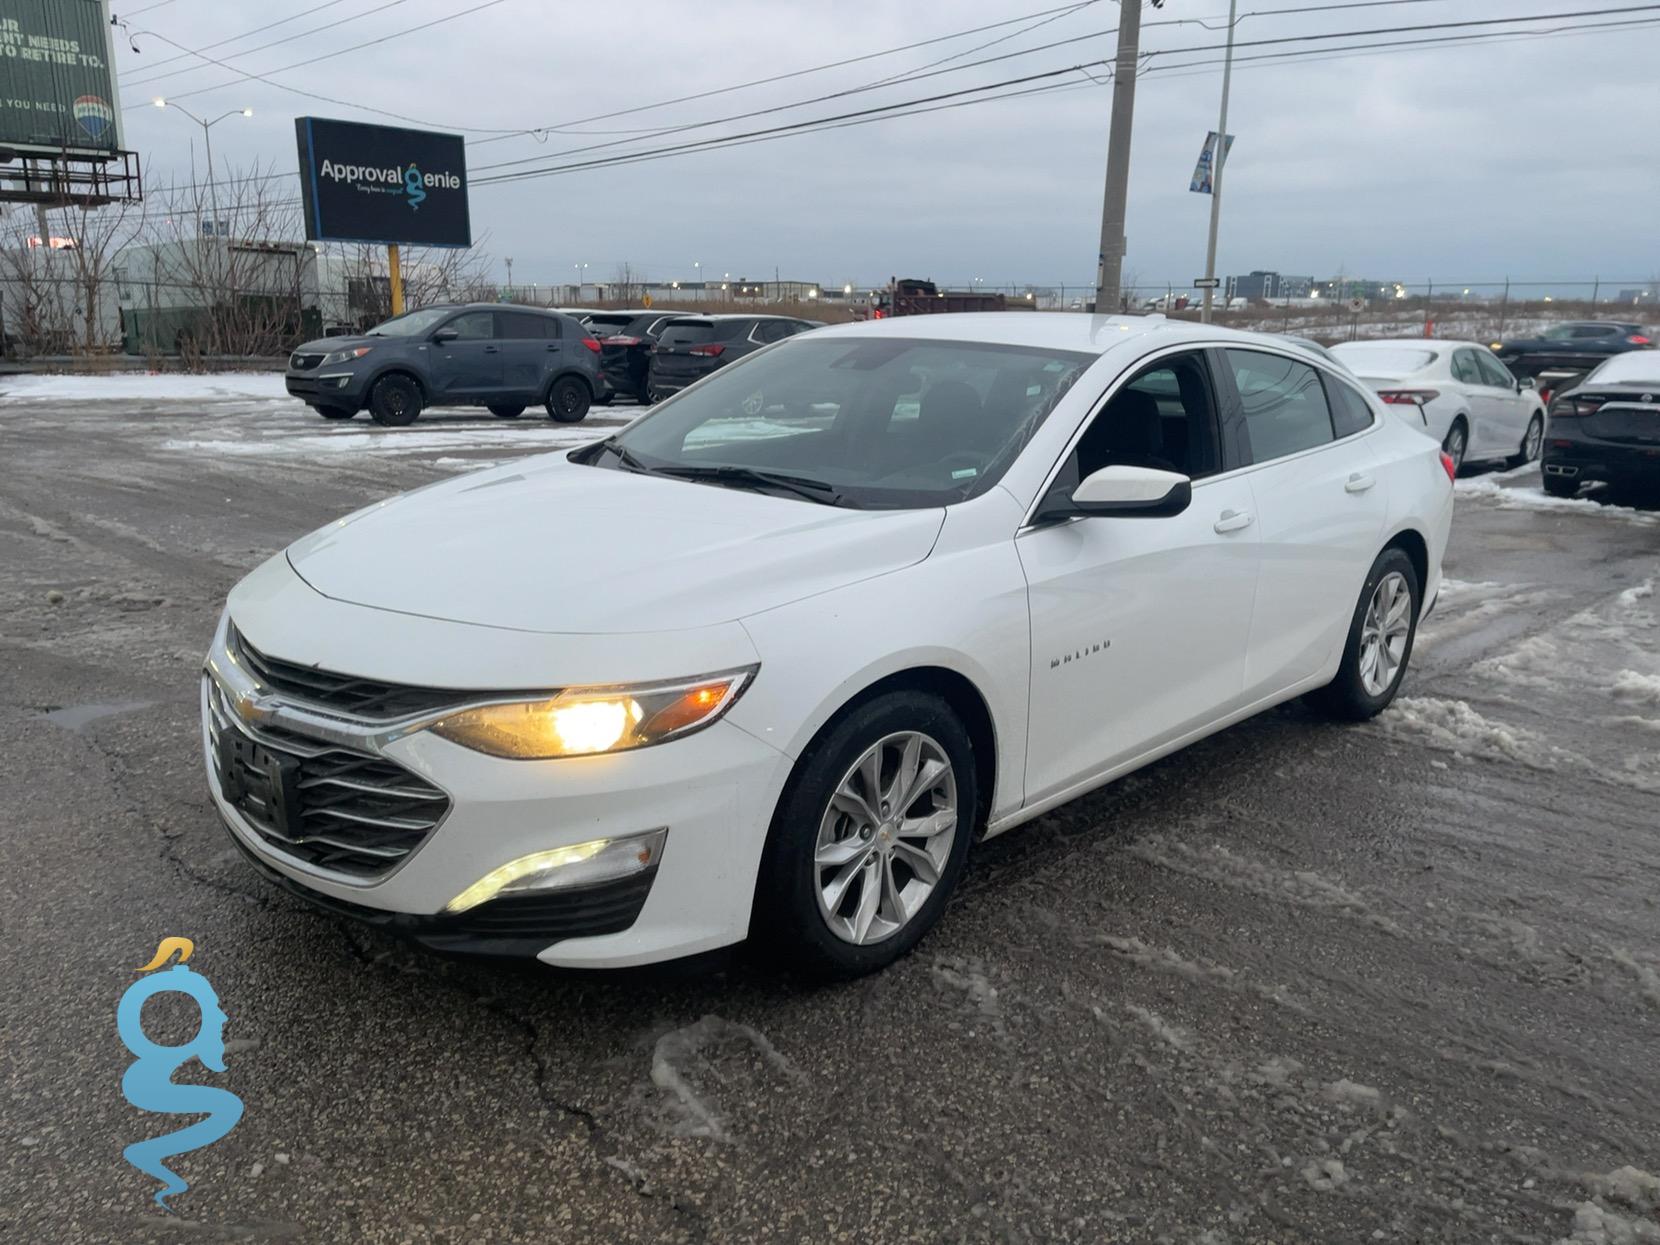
(207, 142)
(698, 269)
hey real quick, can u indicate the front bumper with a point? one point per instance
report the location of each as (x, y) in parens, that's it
(322, 387)
(714, 791)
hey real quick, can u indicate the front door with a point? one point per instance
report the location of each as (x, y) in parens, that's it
(1139, 624)
(468, 367)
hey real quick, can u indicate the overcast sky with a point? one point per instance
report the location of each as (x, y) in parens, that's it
(1535, 158)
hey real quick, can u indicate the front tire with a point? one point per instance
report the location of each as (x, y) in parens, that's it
(568, 400)
(869, 838)
(1533, 441)
(335, 412)
(1379, 646)
(395, 401)
(506, 412)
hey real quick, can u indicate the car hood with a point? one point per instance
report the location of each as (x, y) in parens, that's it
(327, 345)
(550, 546)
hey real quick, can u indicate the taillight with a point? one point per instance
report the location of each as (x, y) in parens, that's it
(1544, 396)
(622, 341)
(1637, 339)
(712, 351)
(1575, 408)
(591, 343)
(1409, 397)
(1447, 465)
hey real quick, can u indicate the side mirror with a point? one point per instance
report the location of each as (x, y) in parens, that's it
(1524, 383)
(445, 335)
(1131, 492)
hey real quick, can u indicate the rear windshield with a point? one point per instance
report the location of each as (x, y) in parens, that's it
(688, 333)
(608, 319)
(1634, 367)
(1397, 359)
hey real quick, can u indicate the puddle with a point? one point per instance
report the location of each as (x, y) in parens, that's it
(74, 717)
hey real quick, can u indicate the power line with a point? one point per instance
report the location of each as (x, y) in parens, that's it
(243, 74)
(327, 4)
(304, 34)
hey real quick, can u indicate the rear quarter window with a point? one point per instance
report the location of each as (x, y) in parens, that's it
(688, 333)
(1350, 413)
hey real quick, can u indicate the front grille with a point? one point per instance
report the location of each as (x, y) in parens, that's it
(320, 804)
(304, 362)
(366, 698)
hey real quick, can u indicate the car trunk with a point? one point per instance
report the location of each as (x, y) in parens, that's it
(685, 351)
(1625, 418)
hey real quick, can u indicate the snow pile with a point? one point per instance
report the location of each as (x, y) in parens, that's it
(1635, 688)
(144, 387)
(1455, 727)
(1629, 1187)
(1489, 489)
(1642, 591)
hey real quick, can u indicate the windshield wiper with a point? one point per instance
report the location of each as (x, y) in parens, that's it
(821, 491)
(624, 456)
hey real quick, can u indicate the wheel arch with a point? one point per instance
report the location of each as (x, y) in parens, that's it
(399, 369)
(958, 691)
(1410, 541)
(547, 389)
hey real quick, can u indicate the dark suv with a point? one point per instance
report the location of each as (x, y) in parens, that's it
(480, 354)
(690, 347)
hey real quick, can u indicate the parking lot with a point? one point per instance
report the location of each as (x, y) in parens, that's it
(1301, 982)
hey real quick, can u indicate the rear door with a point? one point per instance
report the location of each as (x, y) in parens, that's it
(1489, 412)
(1320, 512)
(1514, 404)
(468, 367)
(530, 351)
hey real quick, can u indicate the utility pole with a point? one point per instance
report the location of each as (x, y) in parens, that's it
(1109, 269)
(1218, 158)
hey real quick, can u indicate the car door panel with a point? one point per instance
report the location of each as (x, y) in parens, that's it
(528, 354)
(468, 367)
(1138, 631)
(1320, 506)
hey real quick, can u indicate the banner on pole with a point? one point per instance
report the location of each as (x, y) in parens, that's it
(1202, 170)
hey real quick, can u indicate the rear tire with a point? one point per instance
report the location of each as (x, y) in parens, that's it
(819, 839)
(335, 412)
(1457, 443)
(1379, 647)
(395, 401)
(568, 400)
(1562, 486)
(1533, 440)
(506, 412)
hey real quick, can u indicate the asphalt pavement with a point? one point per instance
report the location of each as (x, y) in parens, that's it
(1301, 982)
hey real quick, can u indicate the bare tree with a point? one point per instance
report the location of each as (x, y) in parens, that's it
(430, 275)
(59, 299)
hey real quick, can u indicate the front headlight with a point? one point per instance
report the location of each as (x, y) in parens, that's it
(587, 721)
(345, 356)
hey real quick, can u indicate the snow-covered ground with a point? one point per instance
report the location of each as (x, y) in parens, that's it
(143, 387)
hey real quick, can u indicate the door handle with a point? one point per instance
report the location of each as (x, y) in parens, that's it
(1233, 520)
(492, 349)
(552, 346)
(1359, 482)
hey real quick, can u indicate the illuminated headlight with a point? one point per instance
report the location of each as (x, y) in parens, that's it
(345, 356)
(581, 864)
(592, 720)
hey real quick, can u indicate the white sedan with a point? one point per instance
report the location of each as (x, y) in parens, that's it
(1457, 392)
(764, 664)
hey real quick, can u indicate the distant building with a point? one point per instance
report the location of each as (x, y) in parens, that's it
(1267, 286)
(1635, 298)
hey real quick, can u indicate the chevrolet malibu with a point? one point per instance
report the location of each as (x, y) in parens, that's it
(837, 612)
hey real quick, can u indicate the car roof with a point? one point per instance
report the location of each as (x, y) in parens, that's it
(1414, 343)
(734, 315)
(1082, 332)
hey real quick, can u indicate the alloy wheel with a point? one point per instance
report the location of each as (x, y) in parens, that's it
(1384, 633)
(1535, 438)
(885, 838)
(1457, 442)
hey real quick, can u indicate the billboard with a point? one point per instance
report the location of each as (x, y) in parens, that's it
(57, 83)
(379, 183)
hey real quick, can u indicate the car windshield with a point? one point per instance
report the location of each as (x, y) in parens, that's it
(1634, 367)
(1397, 360)
(412, 324)
(872, 422)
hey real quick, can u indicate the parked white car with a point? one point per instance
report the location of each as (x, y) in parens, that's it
(814, 625)
(1455, 391)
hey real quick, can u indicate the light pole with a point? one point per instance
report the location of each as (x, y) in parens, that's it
(581, 279)
(207, 142)
(698, 269)
(1218, 158)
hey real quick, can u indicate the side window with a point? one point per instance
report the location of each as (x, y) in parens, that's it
(474, 326)
(770, 331)
(1590, 330)
(522, 326)
(1349, 412)
(1495, 372)
(1164, 418)
(1465, 368)
(1284, 403)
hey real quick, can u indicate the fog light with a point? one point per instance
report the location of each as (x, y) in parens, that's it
(581, 864)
